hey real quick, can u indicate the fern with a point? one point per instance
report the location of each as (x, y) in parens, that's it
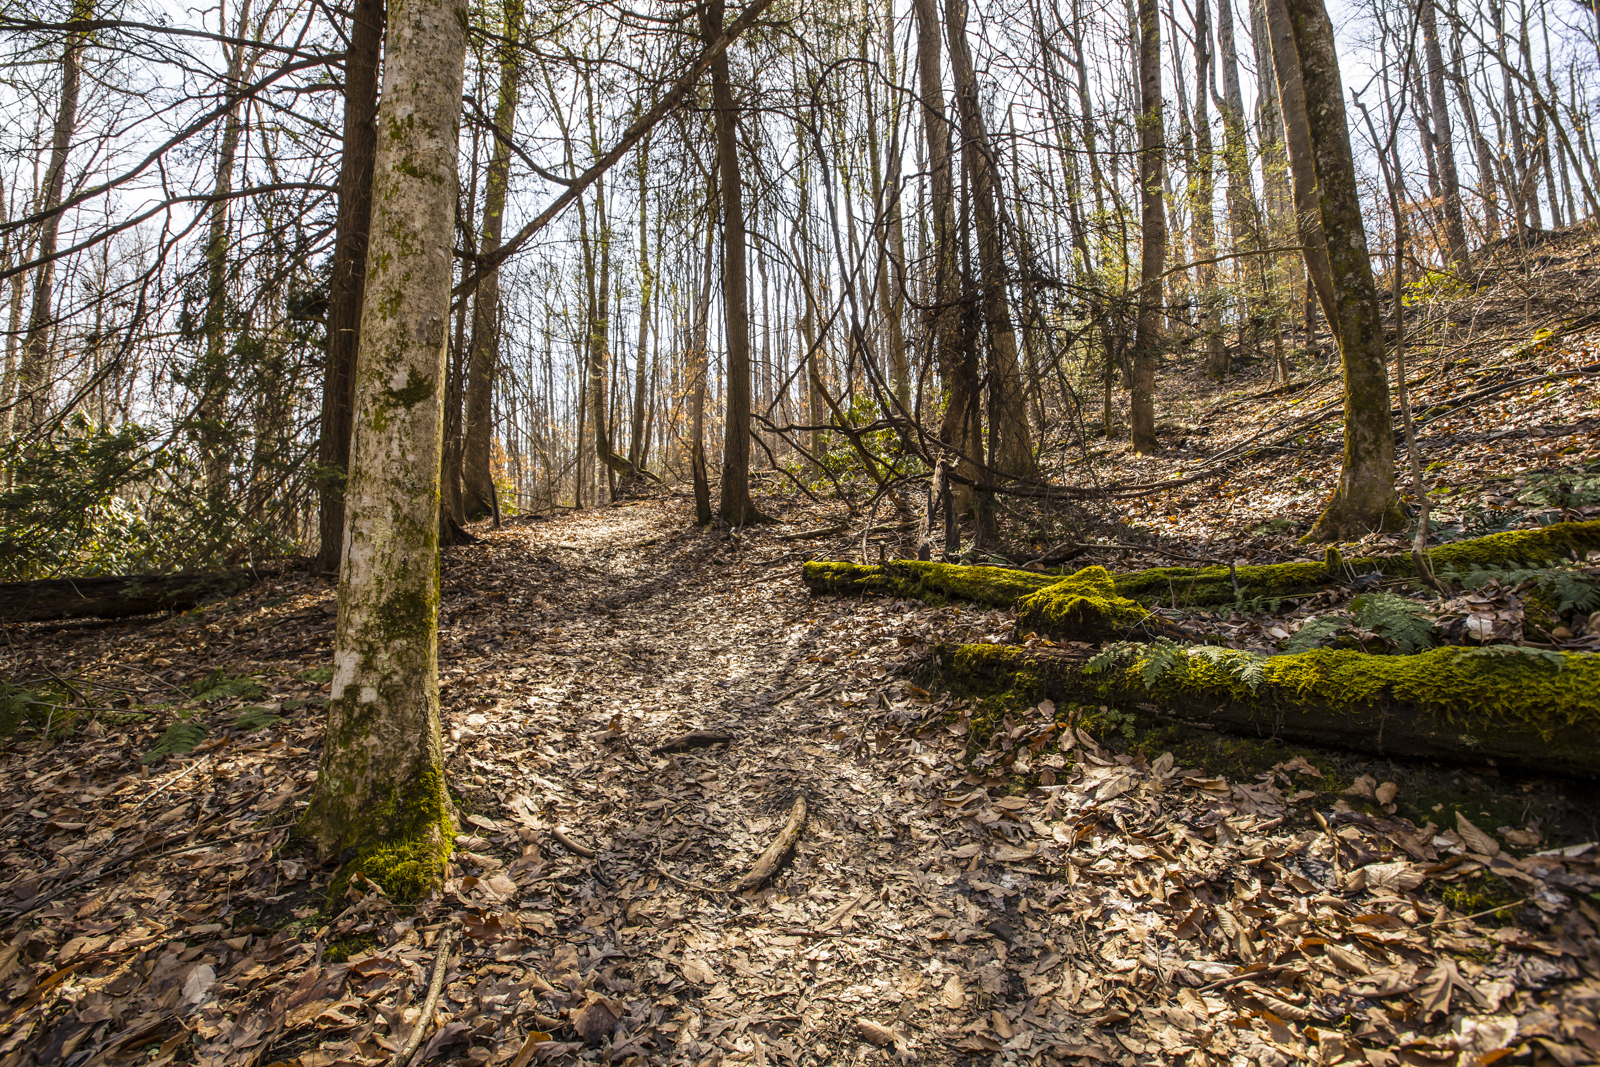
(1403, 623)
(1113, 655)
(1159, 660)
(1315, 632)
(1572, 589)
(1248, 667)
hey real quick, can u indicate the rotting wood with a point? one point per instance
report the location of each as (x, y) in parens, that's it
(776, 851)
(1447, 703)
(111, 597)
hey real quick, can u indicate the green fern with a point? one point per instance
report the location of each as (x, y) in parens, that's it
(1160, 659)
(1315, 632)
(1248, 667)
(1571, 589)
(1403, 623)
(1113, 655)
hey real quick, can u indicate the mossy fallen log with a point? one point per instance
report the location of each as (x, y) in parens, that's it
(1512, 707)
(111, 597)
(1201, 586)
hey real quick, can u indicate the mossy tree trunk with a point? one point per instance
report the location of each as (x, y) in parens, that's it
(1153, 230)
(380, 799)
(349, 274)
(1364, 499)
(477, 476)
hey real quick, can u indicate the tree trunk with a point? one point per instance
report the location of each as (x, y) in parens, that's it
(349, 274)
(1204, 213)
(1455, 230)
(215, 376)
(736, 508)
(1364, 499)
(1292, 98)
(1013, 446)
(697, 376)
(477, 475)
(111, 597)
(1153, 230)
(636, 439)
(380, 793)
(34, 370)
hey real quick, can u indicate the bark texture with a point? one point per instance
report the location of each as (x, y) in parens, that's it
(1364, 499)
(477, 477)
(349, 274)
(380, 796)
(1153, 230)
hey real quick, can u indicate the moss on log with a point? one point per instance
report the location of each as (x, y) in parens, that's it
(1084, 607)
(1520, 710)
(1199, 586)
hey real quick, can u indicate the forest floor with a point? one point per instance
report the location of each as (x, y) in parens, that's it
(1156, 897)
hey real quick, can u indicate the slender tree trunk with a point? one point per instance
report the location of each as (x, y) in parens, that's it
(736, 508)
(380, 792)
(477, 477)
(215, 376)
(35, 372)
(1364, 499)
(349, 275)
(1293, 97)
(1485, 154)
(959, 428)
(1153, 230)
(1013, 451)
(1455, 229)
(697, 378)
(1204, 190)
(636, 439)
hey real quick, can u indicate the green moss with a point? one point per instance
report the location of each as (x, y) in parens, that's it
(1451, 699)
(401, 843)
(1482, 892)
(404, 614)
(341, 949)
(1083, 607)
(935, 583)
(416, 390)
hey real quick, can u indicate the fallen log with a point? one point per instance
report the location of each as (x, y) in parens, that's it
(111, 597)
(1516, 708)
(775, 853)
(1199, 586)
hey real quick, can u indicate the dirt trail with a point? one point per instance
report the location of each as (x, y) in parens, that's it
(689, 633)
(1123, 910)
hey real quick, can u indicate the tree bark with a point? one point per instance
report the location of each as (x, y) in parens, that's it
(1364, 499)
(380, 792)
(349, 275)
(697, 375)
(111, 597)
(1455, 229)
(636, 439)
(959, 427)
(34, 369)
(1013, 449)
(1205, 226)
(736, 508)
(477, 475)
(1153, 230)
(1292, 99)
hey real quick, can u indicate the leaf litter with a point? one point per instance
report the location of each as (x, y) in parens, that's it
(635, 712)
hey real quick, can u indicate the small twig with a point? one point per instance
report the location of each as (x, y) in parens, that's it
(440, 958)
(776, 851)
(1234, 979)
(570, 845)
(1480, 914)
